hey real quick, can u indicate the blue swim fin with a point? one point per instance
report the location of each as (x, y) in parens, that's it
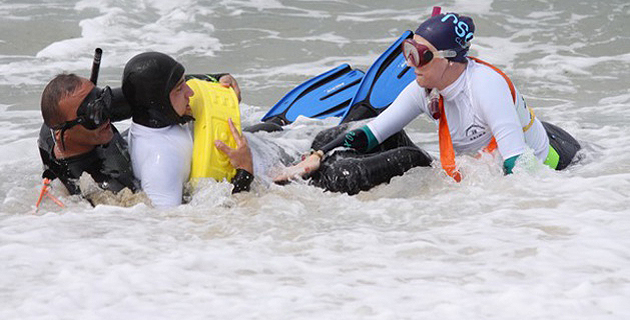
(326, 95)
(382, 83)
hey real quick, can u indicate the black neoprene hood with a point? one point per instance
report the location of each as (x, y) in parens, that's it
(148, 79)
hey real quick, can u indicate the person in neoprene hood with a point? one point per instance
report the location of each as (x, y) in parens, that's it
(160, 136)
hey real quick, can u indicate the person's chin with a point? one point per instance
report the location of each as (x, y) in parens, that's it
(106, 128)
(421, 81)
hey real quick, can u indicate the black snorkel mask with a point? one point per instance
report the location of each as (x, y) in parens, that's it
(95, 108)
(93, 112)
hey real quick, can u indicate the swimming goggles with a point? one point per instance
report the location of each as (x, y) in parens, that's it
(418, 55)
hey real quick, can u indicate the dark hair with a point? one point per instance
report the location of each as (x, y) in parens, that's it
(59, 87)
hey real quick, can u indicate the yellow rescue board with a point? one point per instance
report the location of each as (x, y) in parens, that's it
(212, 105)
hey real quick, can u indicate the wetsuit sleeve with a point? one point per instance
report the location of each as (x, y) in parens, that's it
(508, 164)
(242, 181)
(407, 106)
(493, 97)
(404, 109)
(361, 139)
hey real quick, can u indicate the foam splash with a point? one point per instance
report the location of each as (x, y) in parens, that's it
(535, 244)
(122, 30)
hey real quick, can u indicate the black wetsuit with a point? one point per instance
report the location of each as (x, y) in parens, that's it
(354, 170)
(565, 145)
(108, 164)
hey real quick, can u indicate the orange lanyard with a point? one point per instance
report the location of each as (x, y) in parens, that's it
(447, 153)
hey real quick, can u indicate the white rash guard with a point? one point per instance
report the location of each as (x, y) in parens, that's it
(161, 160)
(478, 105)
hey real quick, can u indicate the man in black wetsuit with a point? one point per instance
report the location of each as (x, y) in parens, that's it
(77, 136)
(354, 169)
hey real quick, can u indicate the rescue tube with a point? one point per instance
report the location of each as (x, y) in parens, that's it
(212, 105)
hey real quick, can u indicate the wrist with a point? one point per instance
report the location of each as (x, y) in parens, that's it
(218, 76)
(248, 167)
(318, 153)
(242, 180)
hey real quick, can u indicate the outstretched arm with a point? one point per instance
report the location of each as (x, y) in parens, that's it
(360, 139)
(405, 108)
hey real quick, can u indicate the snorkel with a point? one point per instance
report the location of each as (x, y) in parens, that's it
(436, 10)
(95, 108)
(96, 65)
(433, 98)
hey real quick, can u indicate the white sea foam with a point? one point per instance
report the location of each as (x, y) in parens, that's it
(469, 8)
(405, 16)
(538, 244)
(122, 30)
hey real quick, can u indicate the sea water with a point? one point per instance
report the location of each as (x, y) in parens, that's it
(538, 244)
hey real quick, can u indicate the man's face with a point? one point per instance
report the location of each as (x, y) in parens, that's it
(78, 134)
(180, 97)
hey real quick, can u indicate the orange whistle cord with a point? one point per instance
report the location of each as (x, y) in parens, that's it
(493, 143)
(46, 192)
(447, 154)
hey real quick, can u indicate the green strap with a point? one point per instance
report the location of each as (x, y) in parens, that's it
(553, 158)
(372, 141)
(508, 164)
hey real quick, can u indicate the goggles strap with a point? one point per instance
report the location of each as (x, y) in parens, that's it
(63, 140)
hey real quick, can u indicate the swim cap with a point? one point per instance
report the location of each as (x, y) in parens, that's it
(148, 79)
(449, 32)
